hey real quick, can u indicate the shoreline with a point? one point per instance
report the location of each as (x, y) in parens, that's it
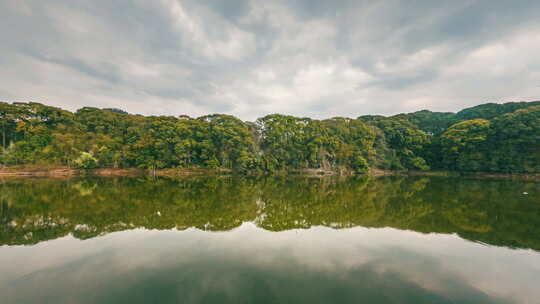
(63, 172)
(66, 172)
(488, 175)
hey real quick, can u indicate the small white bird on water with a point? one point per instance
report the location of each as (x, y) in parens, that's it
(525, 193)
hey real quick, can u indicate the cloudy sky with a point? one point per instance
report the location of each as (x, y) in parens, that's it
(250, 58)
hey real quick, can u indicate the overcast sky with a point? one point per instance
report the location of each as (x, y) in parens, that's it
(251, 58)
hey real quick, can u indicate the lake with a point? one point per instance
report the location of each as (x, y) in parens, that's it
(269, 240)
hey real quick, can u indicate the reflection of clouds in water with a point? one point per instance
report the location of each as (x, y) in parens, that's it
(314, 263)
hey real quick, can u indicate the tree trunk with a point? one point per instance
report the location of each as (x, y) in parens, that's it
(4, 139)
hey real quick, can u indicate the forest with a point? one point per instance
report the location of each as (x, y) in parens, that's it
(502, 138)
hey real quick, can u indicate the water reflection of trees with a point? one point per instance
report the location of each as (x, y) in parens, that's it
(492, 212)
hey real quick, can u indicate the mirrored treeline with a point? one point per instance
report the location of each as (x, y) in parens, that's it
(494, 212)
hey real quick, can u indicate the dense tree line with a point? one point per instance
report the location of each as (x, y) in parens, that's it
(489, 137)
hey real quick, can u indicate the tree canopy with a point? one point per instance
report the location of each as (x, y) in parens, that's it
(490, 137)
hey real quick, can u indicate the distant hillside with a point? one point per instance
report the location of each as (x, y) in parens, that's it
(437, 122)
(492, 110)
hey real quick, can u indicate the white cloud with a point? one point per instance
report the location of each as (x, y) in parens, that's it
(231, 43)
(315, 58)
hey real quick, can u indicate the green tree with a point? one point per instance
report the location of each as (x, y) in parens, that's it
(464, 145)
(514, 141)
(86, 161)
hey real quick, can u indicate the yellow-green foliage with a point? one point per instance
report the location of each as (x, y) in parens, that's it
(491, 137)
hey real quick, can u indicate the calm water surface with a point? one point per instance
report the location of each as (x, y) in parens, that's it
(289, 240)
